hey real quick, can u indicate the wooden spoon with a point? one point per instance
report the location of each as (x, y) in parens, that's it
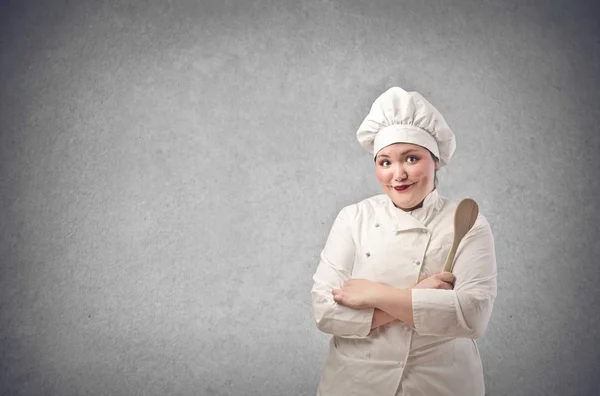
(465, 215)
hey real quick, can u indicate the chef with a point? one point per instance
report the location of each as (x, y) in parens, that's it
(399, 324)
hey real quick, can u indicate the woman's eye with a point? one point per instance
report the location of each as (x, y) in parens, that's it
(385, 163)
(411, 158)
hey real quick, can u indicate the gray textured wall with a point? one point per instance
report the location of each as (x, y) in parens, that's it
(170, 170)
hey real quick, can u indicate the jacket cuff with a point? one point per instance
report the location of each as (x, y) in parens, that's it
(352, 323)
(434, 311)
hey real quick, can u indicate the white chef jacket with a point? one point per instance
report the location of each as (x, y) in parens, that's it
(375, 240)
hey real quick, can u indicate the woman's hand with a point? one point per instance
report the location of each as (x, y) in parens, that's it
(358, 293)
(443, 280)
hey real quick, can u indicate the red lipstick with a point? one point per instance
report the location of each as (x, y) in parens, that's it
(402, 188)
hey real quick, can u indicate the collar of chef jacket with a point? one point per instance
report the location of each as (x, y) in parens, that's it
(418, 217)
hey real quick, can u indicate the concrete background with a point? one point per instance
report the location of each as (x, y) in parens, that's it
(170, 170)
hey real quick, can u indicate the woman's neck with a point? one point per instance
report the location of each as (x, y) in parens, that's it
(419, 205)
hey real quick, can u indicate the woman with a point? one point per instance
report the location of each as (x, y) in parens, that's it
(400, 325)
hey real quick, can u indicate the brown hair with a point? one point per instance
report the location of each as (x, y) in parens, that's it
(437, 161)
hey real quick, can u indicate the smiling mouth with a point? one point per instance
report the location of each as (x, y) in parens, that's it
(402, 188)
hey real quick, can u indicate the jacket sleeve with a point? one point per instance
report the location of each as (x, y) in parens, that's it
(464, 311)
(335, 267)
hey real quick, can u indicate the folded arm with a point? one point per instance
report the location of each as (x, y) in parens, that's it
(463, 311)
(466, 310)
(434, 306)
(335, 267)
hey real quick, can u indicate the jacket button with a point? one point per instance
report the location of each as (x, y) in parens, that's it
(377, 225)
(368, 254)
(417, 262)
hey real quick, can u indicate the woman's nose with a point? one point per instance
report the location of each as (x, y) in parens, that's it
(399, 173)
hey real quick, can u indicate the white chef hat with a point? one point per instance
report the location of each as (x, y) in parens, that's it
(398, 116)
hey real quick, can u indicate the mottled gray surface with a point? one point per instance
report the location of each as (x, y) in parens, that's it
(170, 170)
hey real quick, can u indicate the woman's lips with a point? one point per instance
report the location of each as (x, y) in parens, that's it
(402, 188)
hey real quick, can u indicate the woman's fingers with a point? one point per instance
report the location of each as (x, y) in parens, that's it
(447, 277)
(338, 295)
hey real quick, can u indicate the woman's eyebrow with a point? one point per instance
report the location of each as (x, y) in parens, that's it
(414, 151)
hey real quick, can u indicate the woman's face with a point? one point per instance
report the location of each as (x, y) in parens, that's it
(406, 172)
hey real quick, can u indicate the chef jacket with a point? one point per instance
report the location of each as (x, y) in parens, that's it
(374, 240)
